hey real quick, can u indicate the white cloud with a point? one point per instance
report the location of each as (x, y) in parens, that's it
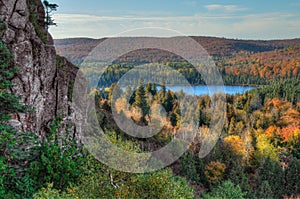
(94, 18)
(70, 18)
(224, 8)
(259, 26)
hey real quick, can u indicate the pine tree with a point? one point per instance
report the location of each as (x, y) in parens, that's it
(49, 9)
(140, 98)
(273, 173)
(292, 175)
(228, 190)
(264, 190)
(238, 177)
(161, 93)
(168, 102)
(175, 117)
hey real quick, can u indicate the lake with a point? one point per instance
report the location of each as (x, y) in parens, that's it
(204, 90)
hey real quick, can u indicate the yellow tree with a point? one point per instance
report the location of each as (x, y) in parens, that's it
(214, 172)
(236, 144)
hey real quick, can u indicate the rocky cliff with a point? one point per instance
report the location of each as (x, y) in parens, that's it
(44, 80)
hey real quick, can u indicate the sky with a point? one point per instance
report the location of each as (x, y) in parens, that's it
(242, 19)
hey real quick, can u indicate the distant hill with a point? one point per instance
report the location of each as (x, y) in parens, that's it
(283, 63)
(75, 49)
(241, 62)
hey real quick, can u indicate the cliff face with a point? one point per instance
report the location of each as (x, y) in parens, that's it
(44, 80)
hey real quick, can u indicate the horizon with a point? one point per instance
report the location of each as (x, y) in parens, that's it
(244, 20)
(237, 39)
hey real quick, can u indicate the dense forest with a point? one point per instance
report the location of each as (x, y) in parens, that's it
(239, 62)
(256, 156)
(77, 48)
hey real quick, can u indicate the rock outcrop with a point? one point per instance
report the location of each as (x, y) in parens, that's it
(44, 80)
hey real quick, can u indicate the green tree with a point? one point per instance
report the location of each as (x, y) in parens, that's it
(292, 175)
(272, 172)
(238, 177)
(227, 190)
(168, 101)
(159, 184)
(140, 99)
(193, 168)
(151, 88)
(60, 160)
(175, 117)
(189, 169)
(254, 102)
(50, 7)
(264, 190)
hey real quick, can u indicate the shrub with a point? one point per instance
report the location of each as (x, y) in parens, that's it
(60, 158)
(160, 184)
(226, 190)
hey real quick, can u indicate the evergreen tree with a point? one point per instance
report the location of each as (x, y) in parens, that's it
(254, 102)
(238, 177)
(168, 101)
(272, 172)
(292, 175)
(264, 190)
(175, 117)
(148, 88)
(161, 93)
(188, 166)
(140, 98)
(153, 89)
(49, 9)
(227, 190)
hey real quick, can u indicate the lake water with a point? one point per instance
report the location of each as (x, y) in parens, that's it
(205, 90)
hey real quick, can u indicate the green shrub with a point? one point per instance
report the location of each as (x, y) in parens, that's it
(60, 159)
(99, 181)
(226, 190)
(159, 184)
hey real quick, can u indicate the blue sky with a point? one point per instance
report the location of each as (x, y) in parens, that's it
(250, 19)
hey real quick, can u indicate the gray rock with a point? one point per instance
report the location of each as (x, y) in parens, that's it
(7, 8)
(21, 7)
(8, 36)
(18, 21)
(20, 37)
(16, 124)
(41, 84)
